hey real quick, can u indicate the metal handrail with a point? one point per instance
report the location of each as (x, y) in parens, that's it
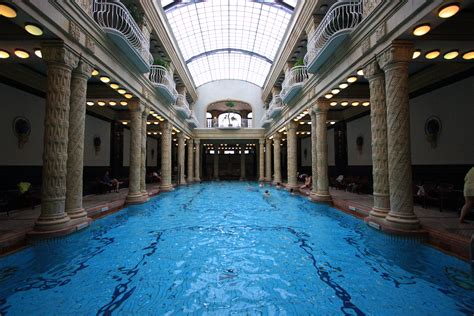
(114, 15)
(297, 74)
(161, 75)
(343, 15)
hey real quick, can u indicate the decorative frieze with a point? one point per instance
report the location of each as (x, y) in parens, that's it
(369, 6)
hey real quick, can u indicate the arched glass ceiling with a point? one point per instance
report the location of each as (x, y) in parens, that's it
(229, 39)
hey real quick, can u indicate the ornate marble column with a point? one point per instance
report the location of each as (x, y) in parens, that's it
(197, 161)
(268, 160)
(322, 194)
(292, 155)
(242, 163)
(60, 60)
(216, 163)
(143, 190)
(166, 129)
(135, 195)
(261, 160)
(181, 153)
(277, 158)
(394, 61)
(314, 154)
(190, 161)
(378, 125)
(75, 148)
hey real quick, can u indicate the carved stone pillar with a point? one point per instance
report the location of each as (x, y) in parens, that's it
(135, 195)
(197, 161)
(277, 158)
(394, 61)
(268, 160)
(60, 61)
(181, 154)
(216, 163)
(314, 154)
(242, 164)
(143, 190)
(190, 161)
(261, 160)
(321, 109)
(166, 129)
(292, 155)
(378, 124)
(75, 148)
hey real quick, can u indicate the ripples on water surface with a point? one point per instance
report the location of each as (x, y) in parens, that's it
(222, 248)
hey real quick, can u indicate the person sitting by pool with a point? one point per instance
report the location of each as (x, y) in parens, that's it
(266, 194)
(307, 181)
(112, 183)
(292, 192)
(278, 185)
(155, 177)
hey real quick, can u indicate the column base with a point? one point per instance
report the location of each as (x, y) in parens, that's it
(291, 186)
(183, 182)
(47, 223)
(146, 196)
(190, 181)
(402, 222)
(166, 187)
(321, 197)
(76, 213)
(378, 213)
(197, 180)
(71, 227)
(275, 182)
(136, 198)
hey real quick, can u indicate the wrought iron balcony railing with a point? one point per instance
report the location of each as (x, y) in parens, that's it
(163, 81)
(182, 106)
(293, 83)
(116, 20)
(275, 107)
(336, 25)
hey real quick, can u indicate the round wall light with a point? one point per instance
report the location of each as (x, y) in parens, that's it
(451, 55)
(416, 54)
(123, 103)
(122, 91)
(355, 103)
(34, 29)
(328, 96)
(448, 10)
(432, 54)
(333, 103)
(4, 54)
(360, 72)
(101, 103)
(343, 85)
(95, 72)
(366, 103)
(38, 53)
(114, 86)
(7, 11)
(23, 54)
(421, 29)
(90, 103)
(128, 95)
(352, 79)
(344, 103)
(112, 103)
(468, 55)
(105, 79)
(335, 91)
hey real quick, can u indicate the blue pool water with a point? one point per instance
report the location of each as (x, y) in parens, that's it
(222, 248)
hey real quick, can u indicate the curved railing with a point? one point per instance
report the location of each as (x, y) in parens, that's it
(162, 76)
(296, 75)
(114, 15)
(276, 105)
(343, 15)
(182, 105)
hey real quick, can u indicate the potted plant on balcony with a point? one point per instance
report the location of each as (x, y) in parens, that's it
(161, 62)
(299, 62)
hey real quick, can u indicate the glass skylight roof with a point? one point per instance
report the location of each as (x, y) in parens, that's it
(229, 39)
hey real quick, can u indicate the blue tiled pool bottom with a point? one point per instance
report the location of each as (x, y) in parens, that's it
(222, 248)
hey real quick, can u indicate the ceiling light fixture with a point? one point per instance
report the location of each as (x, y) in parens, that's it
(112, 103)
(38, 53)
(448, 10)
(328, 96)
(421, 29)
(124, 103)
(451, 55)
(355, 103)
(114, 86)
(122, 91)
(124, 123)
(432, 54)
(335, 91)
(468, 55)
(95, 72)
(128, 95)
(4, 54)
(333, 103)
(105, 79)
(360, 72)
(34, 29)
(352, 79)
(332, 122)
(343, 85)
(23, 54)
(90, 103)
(344, 103)
(101, 103)
(366, 103)
(7, 11)
(416, 54)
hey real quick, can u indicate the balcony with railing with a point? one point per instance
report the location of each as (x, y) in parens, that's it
(275, 107)
(266, 120)
(117, 22)
(164, 83)
(192, 120)
(293, 83)
(335, 27)
(182, 106)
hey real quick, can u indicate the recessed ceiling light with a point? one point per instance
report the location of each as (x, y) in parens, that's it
(95, 72)
(114, 86)
(366, 103)
(148, 123)
(38, 53)
(128, 95)
(328, 96)
(112, 103)
(124, 103)
(355, 103)
(23, 54)
(451, 55)
(156, 123)
(4, 54)
(421, 29)
(34, 29)
(352, 79)
(122, 91)
(416, 54)
(448, 10)
(333, 103)
(343, 85)
(124, 123)
(335, 91)
(344, 103)
(90, 103)
(105, 79)
(360, 72)
(432, 54)
(7, 11)
(468, 55)
(332, 122)
(101, 103)
(149, 133)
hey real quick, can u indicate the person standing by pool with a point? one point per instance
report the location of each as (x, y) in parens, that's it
(468, 194)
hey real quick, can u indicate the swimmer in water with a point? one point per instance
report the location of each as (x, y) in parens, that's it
(261, 185)
(278, 186)
(266, 194)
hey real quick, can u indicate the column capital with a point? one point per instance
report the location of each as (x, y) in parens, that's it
(291, 126)
(261, 141)
(57, 52)
(396, 52)
(146, 111)
(180, 136)
(277, 137)
(321, 105)
(83, 69)
(135, 105)
(372, 70)
(197, 141)
(166, 126)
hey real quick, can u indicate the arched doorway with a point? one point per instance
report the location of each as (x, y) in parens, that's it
(229, 114)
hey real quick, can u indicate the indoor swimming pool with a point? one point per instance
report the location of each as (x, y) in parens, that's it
(224, 248)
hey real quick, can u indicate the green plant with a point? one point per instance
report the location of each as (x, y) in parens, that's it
(230, 104)
(161, 62)
(299, 62)
(135, 11)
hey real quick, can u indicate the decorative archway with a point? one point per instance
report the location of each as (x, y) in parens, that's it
(229, 114)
